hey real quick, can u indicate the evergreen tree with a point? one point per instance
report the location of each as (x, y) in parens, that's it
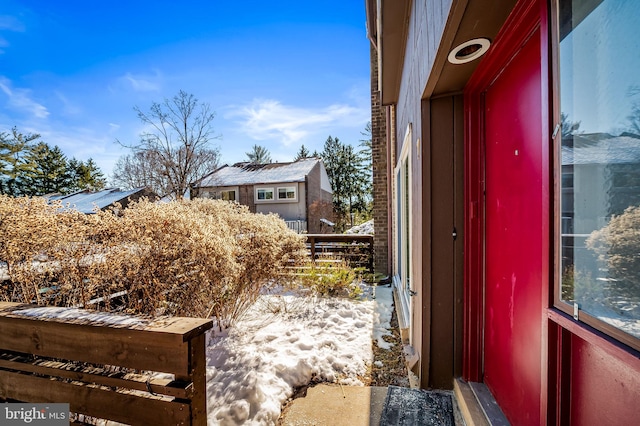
(366, 157)
(302, 153)
(14, 147)
(48, 171)
(85, 176)
(259, 155)
(30, 167)
(350, 179)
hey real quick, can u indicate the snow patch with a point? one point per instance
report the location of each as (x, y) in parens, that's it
(363, 228)
(284, 342)
(81, 315)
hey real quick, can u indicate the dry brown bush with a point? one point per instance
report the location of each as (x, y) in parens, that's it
(189, 258)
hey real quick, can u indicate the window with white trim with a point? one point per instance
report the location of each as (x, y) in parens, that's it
(287, 193)
(402, 227)
(229, 195)
(264, 194)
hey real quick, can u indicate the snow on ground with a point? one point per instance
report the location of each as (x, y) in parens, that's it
(285, 341)
(363, 228)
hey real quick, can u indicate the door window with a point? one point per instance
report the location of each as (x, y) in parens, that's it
(599, 152)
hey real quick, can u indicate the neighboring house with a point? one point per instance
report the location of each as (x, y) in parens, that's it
(591, 161)
(87, 201)
(470, 168)
(299, 192)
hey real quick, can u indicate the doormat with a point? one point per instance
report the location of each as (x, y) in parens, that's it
(410, 407)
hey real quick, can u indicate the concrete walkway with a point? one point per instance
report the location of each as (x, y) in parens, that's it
(335, 405)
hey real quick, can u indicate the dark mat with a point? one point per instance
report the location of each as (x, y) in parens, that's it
(411, 407)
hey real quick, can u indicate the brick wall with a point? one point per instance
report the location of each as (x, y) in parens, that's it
(379, 153)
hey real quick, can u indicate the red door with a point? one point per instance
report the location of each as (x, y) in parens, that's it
(514, 240)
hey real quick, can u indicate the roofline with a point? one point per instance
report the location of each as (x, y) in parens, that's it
(197, 184)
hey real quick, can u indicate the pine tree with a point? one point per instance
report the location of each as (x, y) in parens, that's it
(302, 153)
(85, 176)
(259, 155)
(48, 171)
(30, 167)
(14, 147)
(349, 177)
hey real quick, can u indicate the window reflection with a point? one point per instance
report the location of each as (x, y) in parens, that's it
(600, 151)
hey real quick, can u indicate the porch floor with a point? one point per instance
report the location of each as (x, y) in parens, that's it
(335, 405)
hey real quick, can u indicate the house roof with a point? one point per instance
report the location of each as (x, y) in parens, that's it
(252, 174)
(87, 201)
(599, 148)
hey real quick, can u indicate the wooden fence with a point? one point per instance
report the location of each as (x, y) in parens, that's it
(104, 369)
(355, 249)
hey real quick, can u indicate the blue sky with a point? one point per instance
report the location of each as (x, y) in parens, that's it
(279, 74)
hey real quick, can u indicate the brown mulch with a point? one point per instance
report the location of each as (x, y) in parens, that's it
(393, 370)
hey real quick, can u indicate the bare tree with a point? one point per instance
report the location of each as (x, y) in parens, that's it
(139, 169)
(177, 150)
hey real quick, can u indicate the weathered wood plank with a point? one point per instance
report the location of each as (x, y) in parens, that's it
(136, 349)
(158, 345)
(199, 376)
(97, 376)
(356, 249)
(340, 237)
(187, 328)
(174, 328)
(94, 401)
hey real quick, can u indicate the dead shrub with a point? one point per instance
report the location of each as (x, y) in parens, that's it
(188, 258)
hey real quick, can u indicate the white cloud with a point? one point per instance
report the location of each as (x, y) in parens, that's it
(141, 83)
(11, 23)
(82, 143)
(21, 99)
(68, 107)
(269, 119)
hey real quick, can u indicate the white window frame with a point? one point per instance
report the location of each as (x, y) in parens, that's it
(235, 193)
(217, 193)
(266, 189)
(286, 188)
(402, 244)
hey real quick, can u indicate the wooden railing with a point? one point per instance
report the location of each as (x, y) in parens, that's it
(355, 249)
(103, 369)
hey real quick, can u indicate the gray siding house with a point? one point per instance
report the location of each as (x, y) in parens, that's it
(299, 192)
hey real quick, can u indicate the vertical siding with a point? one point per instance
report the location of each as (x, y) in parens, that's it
(443, 211)
(318, 202)
(246, 197)
(426, 26)
(286, 210)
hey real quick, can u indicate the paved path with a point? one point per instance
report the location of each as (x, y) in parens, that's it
(335, 405)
